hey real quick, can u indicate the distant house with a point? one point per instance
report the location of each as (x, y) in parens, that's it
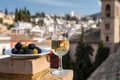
(21, 28)
(23, 25)
(3, 29)
(1, 14)
(9, 19)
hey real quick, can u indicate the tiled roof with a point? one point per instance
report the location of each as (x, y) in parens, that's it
(91, 36)
(109, 70)
(20, 37)
(74, 38)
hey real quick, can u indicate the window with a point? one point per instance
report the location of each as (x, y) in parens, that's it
(107, 10)
(107, 38)
(107, 26)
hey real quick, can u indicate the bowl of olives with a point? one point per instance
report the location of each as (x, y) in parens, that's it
(23, 51)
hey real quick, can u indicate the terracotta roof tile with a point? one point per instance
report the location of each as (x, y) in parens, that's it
(91, 36)
(109, 70)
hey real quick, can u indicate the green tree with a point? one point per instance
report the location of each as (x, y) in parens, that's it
(41, 22)
(25, 10)
(94, 18)
(84, 19)
(9, 26)
(6, 11)
(16, 15)
(66, 61)
(19, 15)
(83, 65)
(22, 15)
(67, 17)
(55, 18)
(102, 54)
(42, 14)
(74, 18)
(28, 16)
(1, 20)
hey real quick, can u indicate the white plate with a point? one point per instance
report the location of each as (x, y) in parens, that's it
(28, 56)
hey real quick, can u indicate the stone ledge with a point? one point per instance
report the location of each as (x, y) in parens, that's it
(43, 75)
(29, 69)
(28, 66)
(10, 76)
(68, 76)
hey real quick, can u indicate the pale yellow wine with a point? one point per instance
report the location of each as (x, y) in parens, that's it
(60, 47)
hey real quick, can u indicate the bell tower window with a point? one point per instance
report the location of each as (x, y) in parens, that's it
(107, 10)
(107, 38)
(107, 26)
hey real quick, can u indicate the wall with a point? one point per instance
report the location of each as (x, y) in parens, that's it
(73, 50)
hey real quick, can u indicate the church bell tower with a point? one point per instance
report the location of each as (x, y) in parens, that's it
(110, 28)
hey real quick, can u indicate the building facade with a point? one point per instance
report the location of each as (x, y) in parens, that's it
(110, 28)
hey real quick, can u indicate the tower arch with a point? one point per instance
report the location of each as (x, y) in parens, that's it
(108, 10)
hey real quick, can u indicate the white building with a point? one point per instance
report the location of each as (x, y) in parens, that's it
(21, 28)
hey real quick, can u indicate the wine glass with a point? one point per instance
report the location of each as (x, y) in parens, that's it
(60, 45)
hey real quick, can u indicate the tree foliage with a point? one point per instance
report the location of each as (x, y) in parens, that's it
(6, 11)
(66, 61)
(83, 65)
(84, 19)
(67, 17)
(9, 26)
(71, 18)
(16, 15)
(102, 54)
(41, 15)
(41, 22)
(1, 20)
(22, 15)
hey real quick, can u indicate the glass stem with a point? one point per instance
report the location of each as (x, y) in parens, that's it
(60, 63)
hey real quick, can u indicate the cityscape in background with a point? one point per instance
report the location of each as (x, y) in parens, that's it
(38, 27)
(94, 38)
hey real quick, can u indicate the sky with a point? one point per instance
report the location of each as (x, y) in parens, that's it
(83, 7)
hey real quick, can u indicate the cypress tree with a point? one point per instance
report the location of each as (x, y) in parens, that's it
(83, 65)
(28, 16)
(19, 15)
(43, 14)
(22, 15)
(25, 10)
(6, 11)
(67, 17)
(102, 54)
(16, 15)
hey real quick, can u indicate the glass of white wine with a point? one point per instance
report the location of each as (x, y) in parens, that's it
(60, 46)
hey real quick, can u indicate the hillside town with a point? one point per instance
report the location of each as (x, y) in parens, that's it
(39, 29)
(92, 50)
(23, 27)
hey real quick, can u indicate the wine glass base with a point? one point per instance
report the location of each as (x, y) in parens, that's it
(59, 72)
